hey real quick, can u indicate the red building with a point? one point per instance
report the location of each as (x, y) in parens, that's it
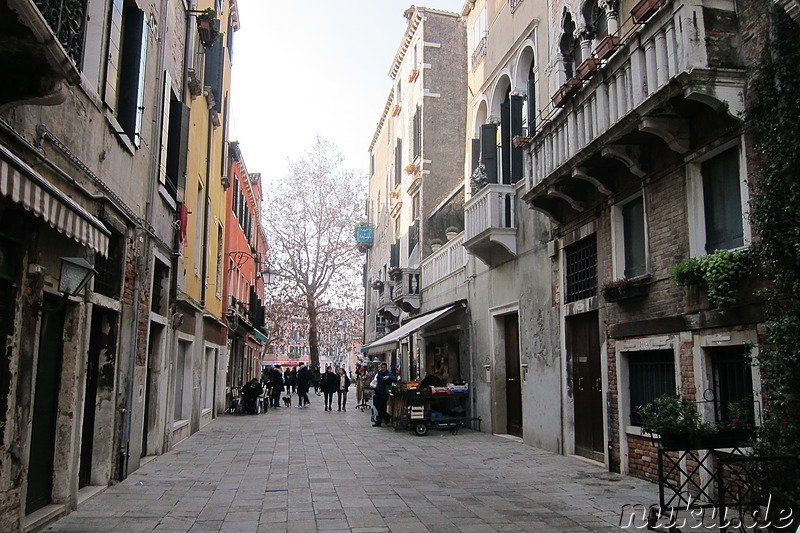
(245, 252)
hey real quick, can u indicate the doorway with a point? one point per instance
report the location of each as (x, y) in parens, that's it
(45, 407)
(583, 354)
(513, 377)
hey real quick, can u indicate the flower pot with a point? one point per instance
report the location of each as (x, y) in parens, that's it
(521, 141)
(606, 47)
(587, 68)
(451, 235)
(624, 292)
(645, 9)
(207, 29)
(435, 246)
(567, 91)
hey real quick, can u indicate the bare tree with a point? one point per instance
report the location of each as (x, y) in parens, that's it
(310, 218)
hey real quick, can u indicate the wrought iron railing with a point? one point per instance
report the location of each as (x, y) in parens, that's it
(514, 4)
(479, 52)
(66, 19)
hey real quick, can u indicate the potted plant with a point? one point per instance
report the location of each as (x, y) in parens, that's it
(606, 47)
(521, 141)
(208, 26)
(451, 232)
(436, 244)
(676, 422)
(627, 288)
(377, 285)
(718, 272)
(395, 272)
(587, 68)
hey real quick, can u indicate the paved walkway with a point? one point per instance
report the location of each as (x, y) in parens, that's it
(310, 470)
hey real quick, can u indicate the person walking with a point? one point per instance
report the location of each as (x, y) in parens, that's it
(303, 383)
(287, 380)
(329, 384)
(384, 378)
(341, 392)
(294, 379)
(276, 380)
(316, 378)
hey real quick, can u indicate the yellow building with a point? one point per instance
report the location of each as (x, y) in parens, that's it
(200, 343)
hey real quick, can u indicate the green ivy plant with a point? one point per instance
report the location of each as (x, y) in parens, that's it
(775, 214)
(720, 272)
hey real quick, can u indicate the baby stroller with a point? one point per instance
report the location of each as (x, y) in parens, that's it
(252, 398)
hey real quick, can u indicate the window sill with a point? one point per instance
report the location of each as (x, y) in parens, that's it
(178, 424)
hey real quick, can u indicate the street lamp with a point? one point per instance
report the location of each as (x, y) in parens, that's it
(75, 274)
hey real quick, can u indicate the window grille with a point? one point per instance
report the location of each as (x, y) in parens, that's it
(108, 279)
(651, 373)
(732, 382)
(581, 266)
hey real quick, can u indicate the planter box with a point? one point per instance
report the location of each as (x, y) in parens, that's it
(413, 76)
(645, 9)
(723, 438)
(587, 68)
(625, 292)
(207, 30)
(607, 46)
(567, 91)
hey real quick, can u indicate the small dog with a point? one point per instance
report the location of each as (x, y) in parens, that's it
(287, 401)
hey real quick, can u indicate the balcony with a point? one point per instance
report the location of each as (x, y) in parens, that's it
(386, 305)
(628, 122)
(444, 262)
(406, 289)
(490, 224)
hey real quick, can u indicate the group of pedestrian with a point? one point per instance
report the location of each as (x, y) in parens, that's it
(299, 380)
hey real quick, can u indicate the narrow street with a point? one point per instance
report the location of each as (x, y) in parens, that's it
(310, 470)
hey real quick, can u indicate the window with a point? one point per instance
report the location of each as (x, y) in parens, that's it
(174, 140)
(722, 201)
(569, 47)
(651, 373)
(630, 242)
(125, 73)
(198, 229)
(581, 269)
(415, 206)
(380, 324)
(183, 389)
(398, 162)
(732, 382)
(478, 38)
(209, 371)
(417, 134)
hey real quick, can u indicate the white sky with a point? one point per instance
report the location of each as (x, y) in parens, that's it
(313, 67)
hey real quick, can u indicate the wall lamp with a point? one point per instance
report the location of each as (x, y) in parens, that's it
(75, 274)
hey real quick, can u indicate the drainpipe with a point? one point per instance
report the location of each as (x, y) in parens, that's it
(125, 442)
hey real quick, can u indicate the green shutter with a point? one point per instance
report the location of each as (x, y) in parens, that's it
(516, 129)
(634, 238)
(505, 141)
(489, 151)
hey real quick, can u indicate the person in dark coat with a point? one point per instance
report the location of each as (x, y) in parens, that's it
(294, 379)
(381, 397)
(276, 384)
(288, 381)
(341, 391)
(250, 393)
(316, 378)
(303, 384)
(329, 384)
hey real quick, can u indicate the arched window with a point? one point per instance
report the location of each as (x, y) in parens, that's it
(569, 46)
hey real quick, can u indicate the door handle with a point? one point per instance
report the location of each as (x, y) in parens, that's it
(512, 379)
(598, 385)
(580, 383)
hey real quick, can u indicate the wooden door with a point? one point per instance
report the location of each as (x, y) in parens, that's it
(583, 355)
(513, 382)
(45, 409)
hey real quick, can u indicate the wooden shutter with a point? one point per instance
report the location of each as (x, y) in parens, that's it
(476, 154)
(163, 142)
(398, 162)
(505, 141)
(214, 72)
(531, 107)
(417, 127)
(516, 129)
(133, 35)
(142, 71)
(489, 151)
(177, 145)
(394, 255)
(114, 54)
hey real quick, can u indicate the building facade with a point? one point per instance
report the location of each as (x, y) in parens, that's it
(97, 117)
(416, 189)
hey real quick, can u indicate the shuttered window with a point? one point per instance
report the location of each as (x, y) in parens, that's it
(489, 151)
(398, 163)
(634, 238)
(516, 119)
(126, 72)
(417, 131)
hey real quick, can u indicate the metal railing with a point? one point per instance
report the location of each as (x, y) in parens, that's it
(66, 19)
(479, 52)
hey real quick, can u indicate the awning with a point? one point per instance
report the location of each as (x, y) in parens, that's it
(26, 187)
(392, 340)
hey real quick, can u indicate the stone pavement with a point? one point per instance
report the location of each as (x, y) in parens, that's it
(310, 470)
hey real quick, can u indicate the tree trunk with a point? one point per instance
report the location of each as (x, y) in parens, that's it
(313, 344)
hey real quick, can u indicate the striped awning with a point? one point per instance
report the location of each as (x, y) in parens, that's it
(25, 186)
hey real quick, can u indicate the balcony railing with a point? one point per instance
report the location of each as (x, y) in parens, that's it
(490, 223)
(514, 4)
(66, 20)
(406, 289)
(671, 45)
(447, 260)
(479, 52)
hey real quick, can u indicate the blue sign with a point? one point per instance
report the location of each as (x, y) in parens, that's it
(365, 233)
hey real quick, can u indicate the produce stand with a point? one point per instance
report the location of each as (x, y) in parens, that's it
(440, 408)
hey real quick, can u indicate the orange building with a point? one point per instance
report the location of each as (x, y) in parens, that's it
(245, 262)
